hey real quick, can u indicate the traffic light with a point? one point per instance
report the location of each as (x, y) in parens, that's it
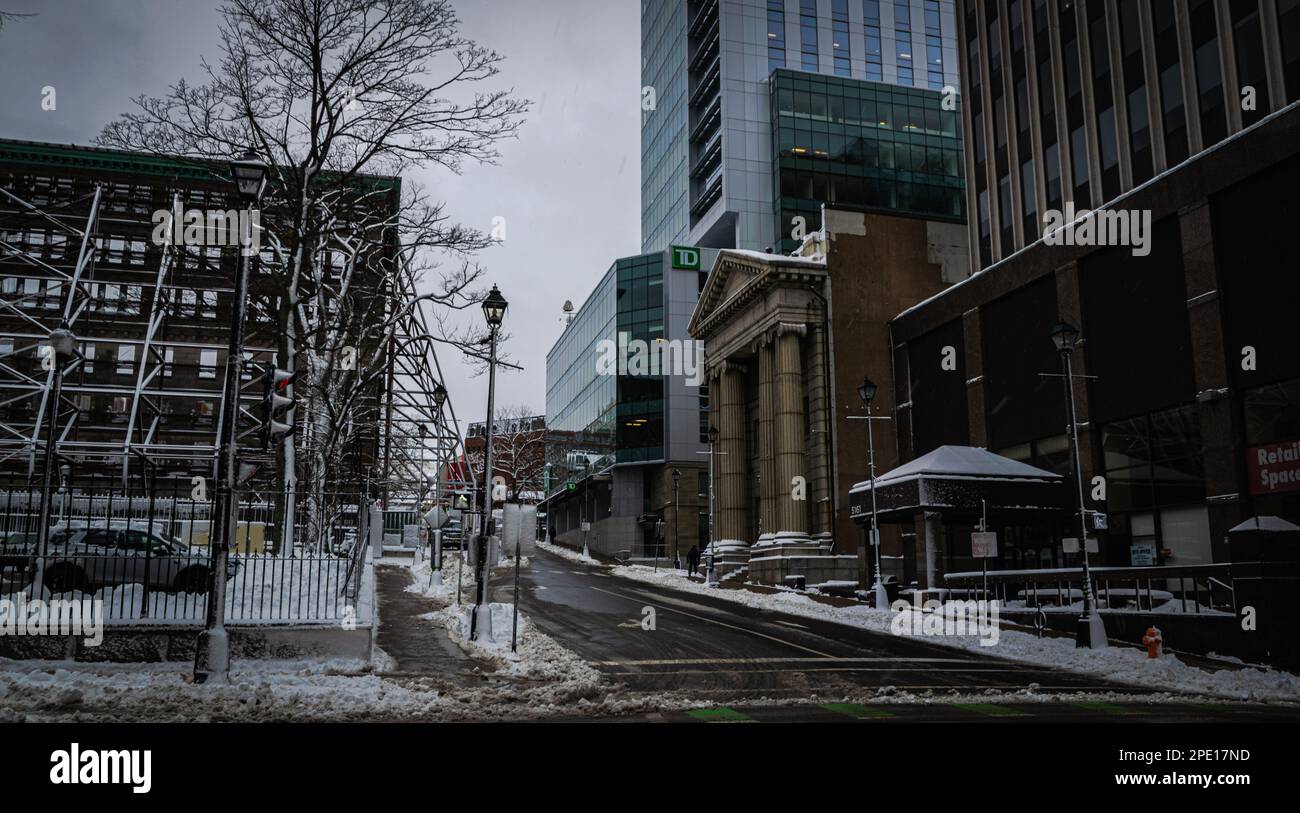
(277, 407)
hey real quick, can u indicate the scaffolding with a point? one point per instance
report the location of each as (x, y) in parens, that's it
(42, 289)
(416, 434)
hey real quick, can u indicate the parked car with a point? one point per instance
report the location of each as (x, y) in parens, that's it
(19, 548)
(91, 558)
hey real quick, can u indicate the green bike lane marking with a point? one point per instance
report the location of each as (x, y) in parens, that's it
(720, 714)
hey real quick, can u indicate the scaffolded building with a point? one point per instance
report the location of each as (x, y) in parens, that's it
(80, 247)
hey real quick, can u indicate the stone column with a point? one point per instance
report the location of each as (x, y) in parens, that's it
(929, 549)
(729, 462)
(791, 514)
(766, 438)
(821, 481)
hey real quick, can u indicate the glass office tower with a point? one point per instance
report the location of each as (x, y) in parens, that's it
(862, 145)
(706, 149)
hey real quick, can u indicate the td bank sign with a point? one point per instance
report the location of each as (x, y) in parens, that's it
(686, 257)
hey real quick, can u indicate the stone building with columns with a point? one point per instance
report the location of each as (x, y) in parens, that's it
(787, 340)
(1187, 378)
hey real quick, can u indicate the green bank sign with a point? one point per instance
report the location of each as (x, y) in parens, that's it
(686, 257)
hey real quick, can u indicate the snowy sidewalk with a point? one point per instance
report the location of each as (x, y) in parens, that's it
(416, 646)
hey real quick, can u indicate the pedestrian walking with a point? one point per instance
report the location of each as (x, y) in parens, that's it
(693, 559)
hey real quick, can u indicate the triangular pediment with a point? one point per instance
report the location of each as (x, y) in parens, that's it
(735, 270)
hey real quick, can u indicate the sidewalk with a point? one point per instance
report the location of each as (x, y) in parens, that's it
(418, 647)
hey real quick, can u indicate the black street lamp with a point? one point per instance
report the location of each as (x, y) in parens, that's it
(1091, 628)
(867, 392)
(711, 575)
(251, 175)
(212, 656)
(677, 513)
(494, 312)
(439, 399)
(63, 346)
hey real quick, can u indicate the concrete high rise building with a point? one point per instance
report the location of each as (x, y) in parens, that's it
(707, 175)
(1074, 101)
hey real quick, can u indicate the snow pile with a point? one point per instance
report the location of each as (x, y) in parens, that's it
(1125, 664)
(538, 656)
(452, 570)
(566, 553)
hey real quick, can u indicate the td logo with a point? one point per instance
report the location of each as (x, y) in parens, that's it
(686, 257)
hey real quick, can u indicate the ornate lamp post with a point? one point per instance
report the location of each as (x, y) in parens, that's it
(710, 574)
(1091, 630)
(212, 658)
(494, 312)
(867, 392)
(64, 346)
(439, 398)
(677, 514)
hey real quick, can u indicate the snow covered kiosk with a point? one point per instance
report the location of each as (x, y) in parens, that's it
(1265, 567)
(940, 497)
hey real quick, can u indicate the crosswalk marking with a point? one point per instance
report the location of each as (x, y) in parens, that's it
(662, 599)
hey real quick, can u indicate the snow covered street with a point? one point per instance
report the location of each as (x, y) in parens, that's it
(619, 641)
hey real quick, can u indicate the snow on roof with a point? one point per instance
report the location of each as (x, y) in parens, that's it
(1265, 524)
(966, 462)
(774, 259)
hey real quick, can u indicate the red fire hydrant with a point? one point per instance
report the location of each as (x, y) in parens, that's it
(1152, 641)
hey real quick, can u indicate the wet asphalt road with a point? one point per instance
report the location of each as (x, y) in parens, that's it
(713, 647)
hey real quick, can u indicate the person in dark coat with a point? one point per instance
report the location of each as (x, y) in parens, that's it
(693, 559)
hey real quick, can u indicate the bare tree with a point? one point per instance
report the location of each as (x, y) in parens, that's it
(518, 451)
(9, 16)
(335, 93)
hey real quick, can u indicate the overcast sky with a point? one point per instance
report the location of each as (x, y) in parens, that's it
(568, 187)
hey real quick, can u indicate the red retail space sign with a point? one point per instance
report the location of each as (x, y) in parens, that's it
(1274, 467)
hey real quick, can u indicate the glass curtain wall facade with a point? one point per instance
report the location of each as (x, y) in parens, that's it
(862, 145)
(580, 404)
(663, 127)
(640, 412)
(705, 148)
(607, 416)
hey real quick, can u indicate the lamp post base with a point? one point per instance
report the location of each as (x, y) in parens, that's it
(1090, 632)
(881, 595)
(213, 659)
(710, 574)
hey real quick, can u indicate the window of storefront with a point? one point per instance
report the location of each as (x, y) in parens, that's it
(1155, 489)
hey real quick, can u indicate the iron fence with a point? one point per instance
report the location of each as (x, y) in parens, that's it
(142, 550)
(1182, 589)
